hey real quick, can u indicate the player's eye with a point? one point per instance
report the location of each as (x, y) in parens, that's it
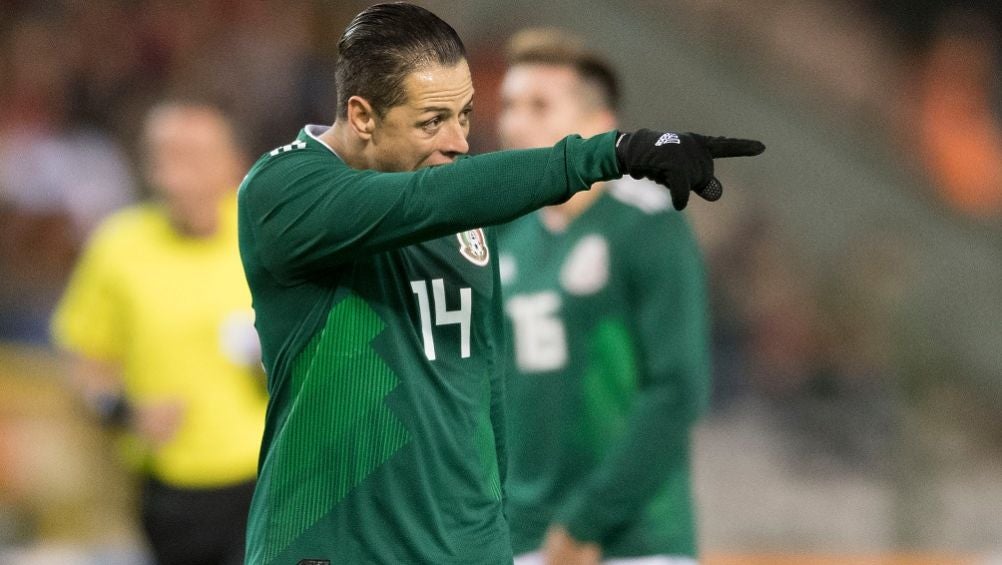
(432, 124)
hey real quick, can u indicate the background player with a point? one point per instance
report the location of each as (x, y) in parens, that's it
(157, 318)
(606, 300)
(378, 305)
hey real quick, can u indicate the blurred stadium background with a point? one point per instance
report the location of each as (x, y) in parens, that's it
(855, 266)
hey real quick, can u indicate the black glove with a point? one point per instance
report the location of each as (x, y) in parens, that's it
(681, 161)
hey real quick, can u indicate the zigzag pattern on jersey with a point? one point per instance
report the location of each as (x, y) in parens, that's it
(339, 429)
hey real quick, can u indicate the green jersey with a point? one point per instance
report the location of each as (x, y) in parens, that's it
(610, 341)
(378, 308)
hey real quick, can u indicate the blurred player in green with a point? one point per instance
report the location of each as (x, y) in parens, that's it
(157, 317)
(605, 295)
(378, 304)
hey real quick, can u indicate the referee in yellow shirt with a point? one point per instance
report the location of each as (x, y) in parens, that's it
(158, 319)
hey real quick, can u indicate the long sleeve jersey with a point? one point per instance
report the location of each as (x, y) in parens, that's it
(610, 347)
(378, 305)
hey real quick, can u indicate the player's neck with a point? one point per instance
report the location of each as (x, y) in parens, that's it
(345, 144)
(201, 226)
(559, 217)
(198, 220)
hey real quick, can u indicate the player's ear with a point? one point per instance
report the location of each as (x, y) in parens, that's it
(361, 117)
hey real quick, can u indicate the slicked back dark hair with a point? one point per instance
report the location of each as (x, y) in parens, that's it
(384, 44)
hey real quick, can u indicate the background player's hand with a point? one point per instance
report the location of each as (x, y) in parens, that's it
(681, 161)
(157, 422)
(560, 548)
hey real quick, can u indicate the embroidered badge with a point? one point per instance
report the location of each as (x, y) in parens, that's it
(473, 246)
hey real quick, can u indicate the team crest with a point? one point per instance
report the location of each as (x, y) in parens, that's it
(473, 246)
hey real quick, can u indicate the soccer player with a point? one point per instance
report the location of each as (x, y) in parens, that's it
(376, 290)
(606, 302)
(158, 319)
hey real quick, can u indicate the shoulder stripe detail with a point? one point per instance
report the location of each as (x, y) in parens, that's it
(290, 147)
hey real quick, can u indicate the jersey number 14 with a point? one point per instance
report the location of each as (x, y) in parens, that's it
(443, 317)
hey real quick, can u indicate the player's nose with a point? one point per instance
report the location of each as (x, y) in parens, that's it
(454, 141)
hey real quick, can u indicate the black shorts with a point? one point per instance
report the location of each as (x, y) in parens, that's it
(196, 526)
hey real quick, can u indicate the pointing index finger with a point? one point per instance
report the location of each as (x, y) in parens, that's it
(733, 147)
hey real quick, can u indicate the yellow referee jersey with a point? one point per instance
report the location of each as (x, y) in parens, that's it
(175, 314)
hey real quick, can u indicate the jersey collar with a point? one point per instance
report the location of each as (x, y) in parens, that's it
(314, 131)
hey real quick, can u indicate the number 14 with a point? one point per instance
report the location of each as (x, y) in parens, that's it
(443, 317)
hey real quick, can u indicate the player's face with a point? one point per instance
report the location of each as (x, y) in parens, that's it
(431, 126)
(541, 104)
(191, 160)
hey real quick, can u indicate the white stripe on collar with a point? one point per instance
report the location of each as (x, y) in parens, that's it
(315, 131)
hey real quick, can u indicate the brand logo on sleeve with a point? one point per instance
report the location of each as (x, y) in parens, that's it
(473, 246)
(667, 138)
